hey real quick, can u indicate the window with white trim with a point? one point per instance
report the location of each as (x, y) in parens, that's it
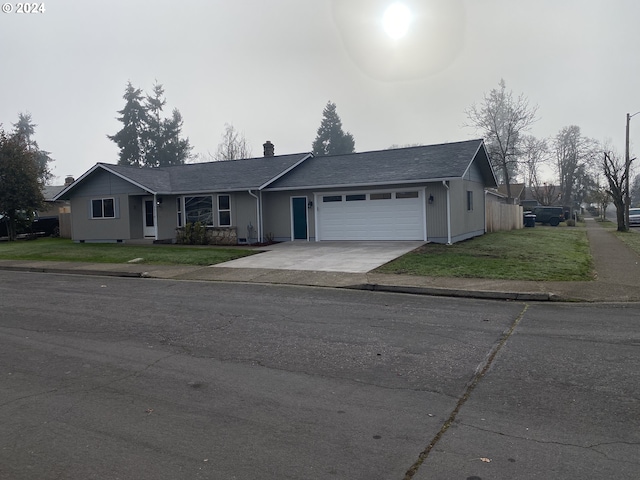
(179, 210)
(103, 208)
(199, 209)
(224, 210)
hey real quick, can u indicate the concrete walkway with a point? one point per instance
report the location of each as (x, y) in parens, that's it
(346, 257)
(617, 276)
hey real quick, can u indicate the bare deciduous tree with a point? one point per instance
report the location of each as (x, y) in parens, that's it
(233, 146)
(502, 120)
(614, 170)
(534, 156)
(576, 156)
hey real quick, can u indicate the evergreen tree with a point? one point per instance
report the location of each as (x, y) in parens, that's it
(175, 150)
(331, 139)
(147, 139)
(129, 138)
(20, 184)
(25, 130)
(153, 136)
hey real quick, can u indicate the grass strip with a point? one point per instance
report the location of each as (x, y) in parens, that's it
(58, 249)
(538, 254)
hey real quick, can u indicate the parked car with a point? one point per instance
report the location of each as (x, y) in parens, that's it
(634, 216)
(40, 226)
(551, 215)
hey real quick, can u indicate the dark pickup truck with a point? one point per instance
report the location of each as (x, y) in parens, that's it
(551, 215)
(41, 227)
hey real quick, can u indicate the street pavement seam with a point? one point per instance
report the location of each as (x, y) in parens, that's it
(481, 371)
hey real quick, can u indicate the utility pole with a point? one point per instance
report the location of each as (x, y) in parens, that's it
(627, 165)
(627, 168)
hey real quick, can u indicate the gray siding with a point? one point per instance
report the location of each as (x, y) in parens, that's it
(85, 228)
(437, 213)
(104, 183)
(167, 217)
(277, 214)
(243, 214)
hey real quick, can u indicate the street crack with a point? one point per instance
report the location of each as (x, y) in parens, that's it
(481, 371)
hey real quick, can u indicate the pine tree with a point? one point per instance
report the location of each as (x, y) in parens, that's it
(24, 128)
(129, 138)
(147, 139)
(331, 139)
(20, 184)
(175, 150)
(153, 136)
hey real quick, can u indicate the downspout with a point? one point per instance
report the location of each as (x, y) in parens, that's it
(486, 193)
(259, 223)
(155, 217)
(444, 183)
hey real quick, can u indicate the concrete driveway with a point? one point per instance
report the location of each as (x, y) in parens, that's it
(351, 256)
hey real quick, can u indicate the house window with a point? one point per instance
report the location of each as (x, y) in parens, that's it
(355, 198)
(179, 210)
(199, 209)
(224, 210)
(469, 200)
(332, 198)
(406, 194)
(380, 196)
(103, 208)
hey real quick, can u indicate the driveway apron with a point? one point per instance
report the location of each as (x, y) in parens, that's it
(351, 257)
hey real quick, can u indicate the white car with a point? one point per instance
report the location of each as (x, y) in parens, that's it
(634, 216)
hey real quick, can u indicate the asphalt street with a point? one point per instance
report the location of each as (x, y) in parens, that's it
(134, 378)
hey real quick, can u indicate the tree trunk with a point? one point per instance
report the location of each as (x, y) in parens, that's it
(619, 203)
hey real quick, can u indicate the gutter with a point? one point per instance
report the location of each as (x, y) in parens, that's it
(446, 185)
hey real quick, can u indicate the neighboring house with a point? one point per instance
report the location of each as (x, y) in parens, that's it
(430, 193)
(517, 192)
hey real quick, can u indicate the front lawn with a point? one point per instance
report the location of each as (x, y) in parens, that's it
(541, 254)
(58, 249)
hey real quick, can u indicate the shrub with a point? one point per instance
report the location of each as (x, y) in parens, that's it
(192, 234)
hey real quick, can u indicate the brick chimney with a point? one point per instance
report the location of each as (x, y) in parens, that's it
(269, 149)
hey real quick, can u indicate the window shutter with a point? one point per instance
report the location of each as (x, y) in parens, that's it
(89, 209)
(116, 207)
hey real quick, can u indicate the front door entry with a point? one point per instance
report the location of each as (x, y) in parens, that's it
(148, 217)
(299, 218)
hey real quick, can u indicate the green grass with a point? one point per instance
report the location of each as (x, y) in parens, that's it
(631, 239)
(541, 254)
(57, 249)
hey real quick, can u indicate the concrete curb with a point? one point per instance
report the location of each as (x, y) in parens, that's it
(373, 287)
(449, 292)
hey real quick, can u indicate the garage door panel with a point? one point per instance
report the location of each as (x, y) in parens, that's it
(382, 219)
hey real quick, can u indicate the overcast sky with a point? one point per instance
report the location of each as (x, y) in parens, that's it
(269, 67)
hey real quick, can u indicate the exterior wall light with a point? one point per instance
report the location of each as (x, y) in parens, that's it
(430, 199)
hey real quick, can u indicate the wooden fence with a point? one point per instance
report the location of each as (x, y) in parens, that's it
(501, 216)
(65, 225)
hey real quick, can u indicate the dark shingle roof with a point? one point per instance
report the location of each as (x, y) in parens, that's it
(396, 166)
(229, 175)
(403, 165)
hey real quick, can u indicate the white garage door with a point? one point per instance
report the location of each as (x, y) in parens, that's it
(371, 216)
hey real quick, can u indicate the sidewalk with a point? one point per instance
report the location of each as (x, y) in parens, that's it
(617, 280)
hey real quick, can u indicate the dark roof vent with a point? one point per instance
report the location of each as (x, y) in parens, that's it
(269, 149)
(68, 180)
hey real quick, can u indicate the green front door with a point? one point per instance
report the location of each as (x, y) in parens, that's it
(299, 213)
